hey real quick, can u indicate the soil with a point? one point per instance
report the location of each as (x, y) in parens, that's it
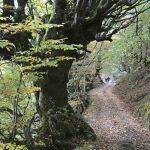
(113, 123)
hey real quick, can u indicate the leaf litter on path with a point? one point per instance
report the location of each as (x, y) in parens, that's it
(115, 127)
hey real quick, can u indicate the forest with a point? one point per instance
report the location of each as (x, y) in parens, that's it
(74, 75)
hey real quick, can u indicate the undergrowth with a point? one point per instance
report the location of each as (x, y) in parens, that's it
(86, 146)
(134, 89)
(142, 110)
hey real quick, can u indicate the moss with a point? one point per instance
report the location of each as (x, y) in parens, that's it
(86, 146)
(89, 109)
(74, 103)
(63, 129)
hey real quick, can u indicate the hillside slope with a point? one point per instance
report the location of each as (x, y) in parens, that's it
(134, 89)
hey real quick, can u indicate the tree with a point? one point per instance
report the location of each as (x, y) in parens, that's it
(130, 49)
(70, 26)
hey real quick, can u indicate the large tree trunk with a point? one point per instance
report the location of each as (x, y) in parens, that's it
(8, 8)
(54, 87)
(51, 100)
(59, 124)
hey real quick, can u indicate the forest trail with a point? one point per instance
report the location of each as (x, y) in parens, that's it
(115, 127)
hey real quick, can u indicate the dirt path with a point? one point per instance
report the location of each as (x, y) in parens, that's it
(114, 126)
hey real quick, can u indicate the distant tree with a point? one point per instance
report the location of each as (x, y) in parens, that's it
(131, 48)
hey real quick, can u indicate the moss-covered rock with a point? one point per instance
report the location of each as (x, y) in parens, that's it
(64, 130)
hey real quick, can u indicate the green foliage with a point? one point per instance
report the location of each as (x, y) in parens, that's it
(19, 75)
(131, 46)
(6, 44)
(16, 92)
(85, 147)
(12, 147)
(40, 8)
(47, 55)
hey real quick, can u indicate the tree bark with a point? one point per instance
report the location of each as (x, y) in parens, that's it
(8, 6)
(51, 100)
(20, 12)
(54, 87)
(58, 121)
(59, 124)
